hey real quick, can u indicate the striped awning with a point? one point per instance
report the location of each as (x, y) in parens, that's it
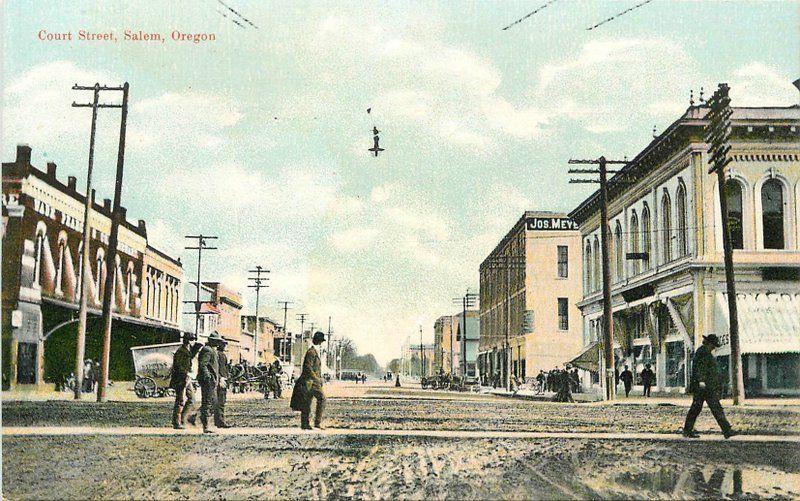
(768, 322)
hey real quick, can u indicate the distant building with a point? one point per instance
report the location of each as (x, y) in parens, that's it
(268, 332)
(447, 349)
(415, 357)
(221, 308)
(672, 291)
(468, 337)
(42, 272)
(529, 287)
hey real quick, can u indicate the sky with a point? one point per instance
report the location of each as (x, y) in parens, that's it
(261, 136)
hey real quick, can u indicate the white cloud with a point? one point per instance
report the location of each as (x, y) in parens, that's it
(756, 84)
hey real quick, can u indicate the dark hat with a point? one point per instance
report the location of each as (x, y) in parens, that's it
(215, 339)
(319, 337)
(189, 336)
(712, 339)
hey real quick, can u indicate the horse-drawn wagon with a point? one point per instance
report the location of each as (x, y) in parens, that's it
(153, 366)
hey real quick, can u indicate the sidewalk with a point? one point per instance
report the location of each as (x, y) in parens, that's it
(294, 431)
(680, 400)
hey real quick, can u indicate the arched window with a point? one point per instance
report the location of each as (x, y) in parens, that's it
(618, 253)
(646, 237)
(772, 214)
(100, 274)
(129, 289)
(680, 208)
(733, 194)
(666, 228)
(634, 235)
(147, 289)
(37, 270)
(62, 256)
(596, 270)
(588, 267)
(158, 302)
(80, 269)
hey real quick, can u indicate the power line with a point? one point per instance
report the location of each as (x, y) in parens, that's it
(620, 14)
(257, 285)
(526, 16)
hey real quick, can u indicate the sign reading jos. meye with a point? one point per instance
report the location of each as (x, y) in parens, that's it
(550, 223)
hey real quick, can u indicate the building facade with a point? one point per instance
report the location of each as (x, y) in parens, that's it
(269, 333)
(42, 273)
(468, 335)
(668, 214)
(446, 348)
(529, 287)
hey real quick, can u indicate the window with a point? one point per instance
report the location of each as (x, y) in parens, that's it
(563, 314)
(733, 193)
(99, 284)
(62, 248)
(646, 229)
(618, 254)
(588, 267)
(596, 270)
(37, 270)
(680, 208)
(772, 214)
(634, 233)
(563, 267)
(666, 228)
(129, 289)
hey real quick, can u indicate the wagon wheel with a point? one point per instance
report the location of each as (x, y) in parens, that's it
(169, 392)
(144, 387)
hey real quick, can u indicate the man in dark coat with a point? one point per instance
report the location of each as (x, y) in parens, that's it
(208, 377)
(705, 387)
(309, 386)
(648, 378)
(626, 376)
(180, 381)
(222, 386)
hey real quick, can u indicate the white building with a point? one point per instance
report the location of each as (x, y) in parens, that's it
(669, 209)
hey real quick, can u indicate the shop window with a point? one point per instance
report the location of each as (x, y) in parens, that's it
(772, 214)
(733, 194)
(783, 370)
(676, 364)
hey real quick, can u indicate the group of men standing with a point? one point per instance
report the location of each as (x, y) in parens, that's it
(212, 376)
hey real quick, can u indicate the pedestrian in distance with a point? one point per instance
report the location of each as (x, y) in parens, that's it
(222, 386)
(397, 381)
(208, 377)
(180, 381)
(626, 376)
(309, 386)
(648, 378)
(705, 388)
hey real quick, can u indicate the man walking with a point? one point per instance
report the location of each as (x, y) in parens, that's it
(705, 387)
(180, 381)
(222, 387)
(309, 386)
(648, 377)
(208, 377)
(626, 376)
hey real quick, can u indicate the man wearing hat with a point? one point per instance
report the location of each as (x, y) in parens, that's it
(705, 387)
(309, 386)
(180, 381)
(222, 386)
(208, 377)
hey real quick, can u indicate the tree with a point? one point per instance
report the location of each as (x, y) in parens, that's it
(394, 366)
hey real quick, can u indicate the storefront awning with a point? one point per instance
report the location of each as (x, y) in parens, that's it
(768, 322)
(589, 359)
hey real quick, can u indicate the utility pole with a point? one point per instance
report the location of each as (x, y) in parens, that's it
(718, 133)
(467, 301)
(257, 285)
(328, 343)
(286, 342)
(86, 237)
(111, 257)
(202, 245)
(608, 323)
(421, 355)
(302, 317)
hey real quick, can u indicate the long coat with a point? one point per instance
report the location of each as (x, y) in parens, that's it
(208, 365)
(181, 367)
(704, 370)
(310, 379)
